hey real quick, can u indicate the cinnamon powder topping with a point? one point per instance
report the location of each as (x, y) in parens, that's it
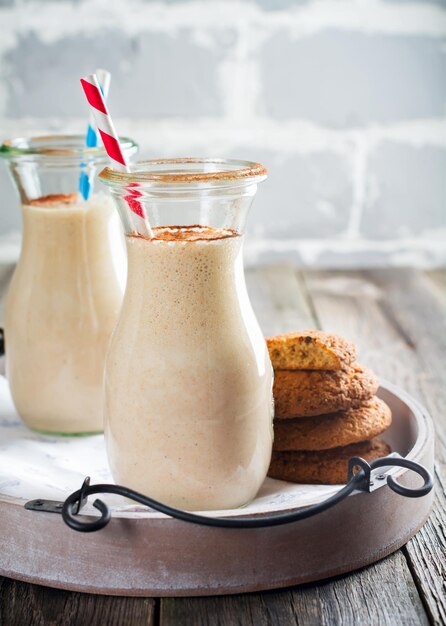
(53, 200)
(196, 232)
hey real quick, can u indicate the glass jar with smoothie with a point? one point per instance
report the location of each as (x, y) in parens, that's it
(66, 292)
(188, 383)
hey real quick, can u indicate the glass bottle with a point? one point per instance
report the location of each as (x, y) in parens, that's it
(65, 295)
(188, 382)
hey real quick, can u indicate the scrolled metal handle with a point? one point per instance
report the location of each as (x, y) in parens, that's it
(361, 480)
(408, 492)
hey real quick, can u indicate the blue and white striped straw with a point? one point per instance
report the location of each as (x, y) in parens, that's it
(91, 140)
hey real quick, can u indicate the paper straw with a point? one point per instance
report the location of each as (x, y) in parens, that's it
(104, 79)
(91, 140)
(110, 139)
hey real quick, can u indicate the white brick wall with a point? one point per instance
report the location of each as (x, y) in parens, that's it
(343, 100)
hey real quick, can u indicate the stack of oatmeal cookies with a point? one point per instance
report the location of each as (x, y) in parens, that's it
(326, 410)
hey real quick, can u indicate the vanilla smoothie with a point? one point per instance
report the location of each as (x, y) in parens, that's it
(62, 306)
(188, 408)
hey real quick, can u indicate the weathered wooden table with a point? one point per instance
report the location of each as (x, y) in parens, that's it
(398, 319)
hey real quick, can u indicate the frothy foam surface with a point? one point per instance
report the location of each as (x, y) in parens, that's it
(195, 232)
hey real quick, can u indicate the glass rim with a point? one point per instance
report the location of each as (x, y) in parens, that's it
(56, 146)
(228, 170)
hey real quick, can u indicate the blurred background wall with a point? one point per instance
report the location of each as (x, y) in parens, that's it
(343, 100)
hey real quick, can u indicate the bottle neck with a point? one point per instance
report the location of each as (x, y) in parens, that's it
(38, 180)
(141, 214)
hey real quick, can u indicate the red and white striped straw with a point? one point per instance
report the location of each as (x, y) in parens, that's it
(104, 122)
(110, 139)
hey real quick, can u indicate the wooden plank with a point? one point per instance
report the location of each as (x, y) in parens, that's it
(420, 312)
(22, 604)
(389, 322)
(382, 594)
(278, 299)
(395, 320)
(349, 304)
(426, 555)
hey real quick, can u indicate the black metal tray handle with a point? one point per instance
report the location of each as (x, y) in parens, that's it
(360, 480)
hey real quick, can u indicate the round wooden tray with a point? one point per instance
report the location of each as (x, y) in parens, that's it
(143, 553)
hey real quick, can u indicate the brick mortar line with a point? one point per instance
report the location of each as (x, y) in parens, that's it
(287, 136)
(357, 244)
(423, 253)
(253, 28)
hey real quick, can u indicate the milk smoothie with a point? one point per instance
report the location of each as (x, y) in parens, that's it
(66, 292)
(188, 380)
(61, 308)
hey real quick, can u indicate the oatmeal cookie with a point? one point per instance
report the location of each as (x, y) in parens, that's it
(328, 467)
(310, 350)
(323, 432)
(303, 392)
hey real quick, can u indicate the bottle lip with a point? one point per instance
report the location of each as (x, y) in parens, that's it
(186, 170)
(58, 146)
